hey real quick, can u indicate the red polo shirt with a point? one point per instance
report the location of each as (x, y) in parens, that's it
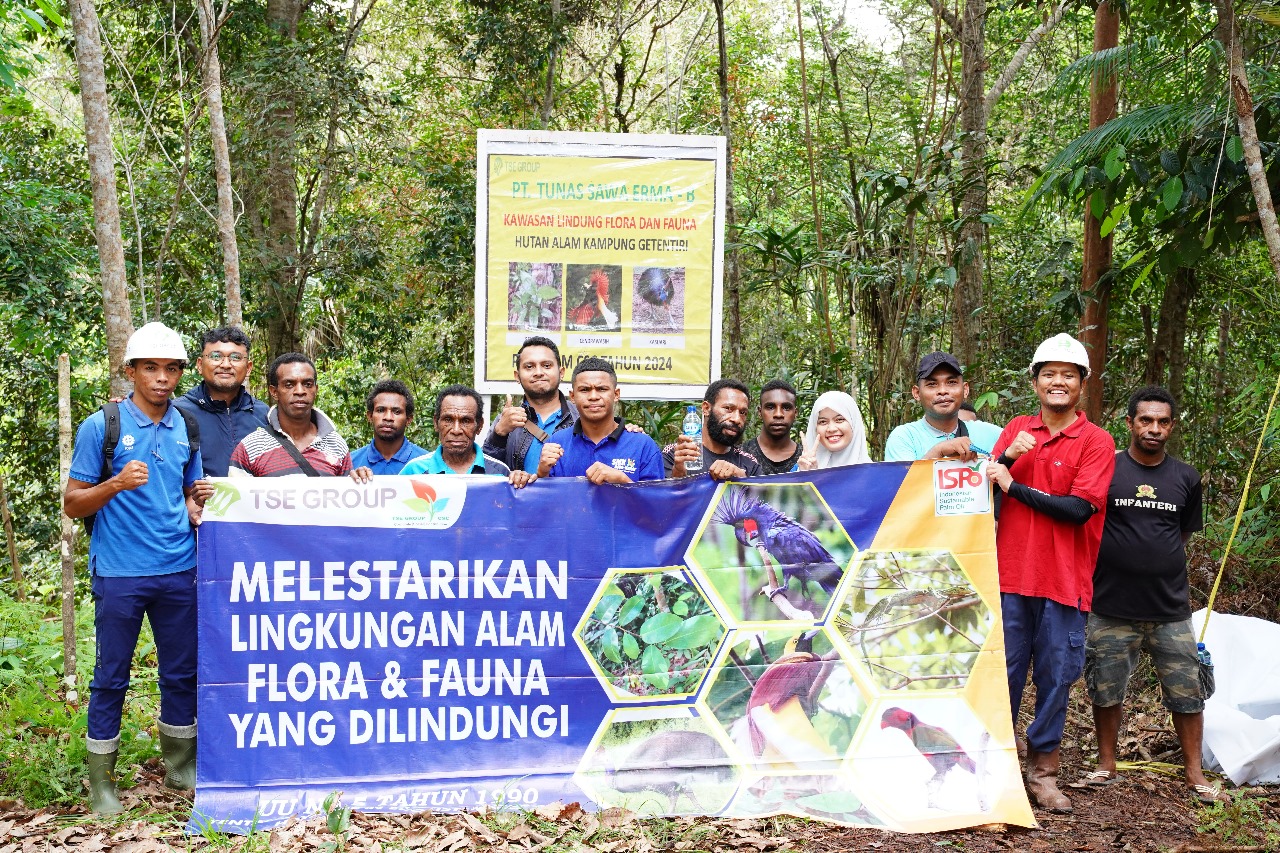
(1038, 555)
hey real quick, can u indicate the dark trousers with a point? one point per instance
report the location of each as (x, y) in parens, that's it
(1048, 637)
(169, 603)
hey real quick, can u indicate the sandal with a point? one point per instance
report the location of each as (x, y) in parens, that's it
(1210, 794)
(1099, 778)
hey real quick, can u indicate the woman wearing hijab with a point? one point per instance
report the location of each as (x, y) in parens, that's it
(836, 434)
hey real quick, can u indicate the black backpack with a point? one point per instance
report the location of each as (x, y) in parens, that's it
(111, 437)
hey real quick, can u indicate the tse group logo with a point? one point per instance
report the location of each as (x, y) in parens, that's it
(961, 488)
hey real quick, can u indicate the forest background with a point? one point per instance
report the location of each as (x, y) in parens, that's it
(906, 176)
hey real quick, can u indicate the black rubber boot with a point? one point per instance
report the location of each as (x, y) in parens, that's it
(102, 783)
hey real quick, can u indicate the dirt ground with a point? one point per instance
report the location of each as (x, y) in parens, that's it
(1148, 809)
(1145, 811)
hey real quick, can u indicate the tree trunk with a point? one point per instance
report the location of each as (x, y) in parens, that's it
(116, 311)
(19, 590)
(975, 111)
(734, 278)
(549, 92)
(1094, 326)
(211, 74)
(283, 334)
(1229, 35)
(68, 531)
(1167, 361)
(966, 322)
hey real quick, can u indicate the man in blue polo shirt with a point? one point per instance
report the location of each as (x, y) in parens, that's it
(389, 409)
(458, 421)
(599, 447)
(142, 558)
(940, 389)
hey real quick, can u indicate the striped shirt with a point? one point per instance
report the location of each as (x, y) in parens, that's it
(262, 454)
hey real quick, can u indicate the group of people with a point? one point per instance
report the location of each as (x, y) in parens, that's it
(1090, 541)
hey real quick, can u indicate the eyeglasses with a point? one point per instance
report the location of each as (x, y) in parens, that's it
(233, 357)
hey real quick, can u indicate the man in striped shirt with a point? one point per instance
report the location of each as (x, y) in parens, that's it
(298, 438)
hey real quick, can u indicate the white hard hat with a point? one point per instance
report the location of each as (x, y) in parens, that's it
(155, 340)
(1061, 347)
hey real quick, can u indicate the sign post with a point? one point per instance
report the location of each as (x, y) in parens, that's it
(610, 245)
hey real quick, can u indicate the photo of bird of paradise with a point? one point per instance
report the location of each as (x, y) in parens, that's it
(533, 296)
(659, 761)
(773, 553)
(791, 705)
(657, 300)
(593, 297)
(652, 633)
(932, 753)
(914, 619)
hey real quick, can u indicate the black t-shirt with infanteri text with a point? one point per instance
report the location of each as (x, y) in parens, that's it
(1142, 565)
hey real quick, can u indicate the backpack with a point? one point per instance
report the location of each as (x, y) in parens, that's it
(111, 437)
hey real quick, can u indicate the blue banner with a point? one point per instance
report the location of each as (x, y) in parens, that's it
(675, 647)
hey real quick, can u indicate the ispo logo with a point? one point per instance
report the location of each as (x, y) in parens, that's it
(958, 478)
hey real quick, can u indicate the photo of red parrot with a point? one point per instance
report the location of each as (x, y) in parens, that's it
(937, 746)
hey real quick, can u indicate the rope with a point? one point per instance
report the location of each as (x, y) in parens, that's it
(1244, 496)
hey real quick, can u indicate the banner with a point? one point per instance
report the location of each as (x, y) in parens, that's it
(825, 644)
(608, 244)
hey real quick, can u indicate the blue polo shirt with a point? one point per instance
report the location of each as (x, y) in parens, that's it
(632, 453)
(433, 463)
(912, 441)
(369, 457)
(144, 531)
(533, 455)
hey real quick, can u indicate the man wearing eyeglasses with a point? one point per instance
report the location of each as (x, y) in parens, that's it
(221, 403)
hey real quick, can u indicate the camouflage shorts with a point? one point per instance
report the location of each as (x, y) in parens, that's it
(1111, 652)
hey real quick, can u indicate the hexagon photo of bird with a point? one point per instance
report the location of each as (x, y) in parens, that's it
(798, 553)
(938, 747)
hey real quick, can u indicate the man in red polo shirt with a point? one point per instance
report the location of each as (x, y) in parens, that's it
(1054, 468)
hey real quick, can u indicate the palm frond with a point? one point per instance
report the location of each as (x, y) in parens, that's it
(1150, 59)
(1145, 124)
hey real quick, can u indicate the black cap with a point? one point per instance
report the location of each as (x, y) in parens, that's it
(934, 360)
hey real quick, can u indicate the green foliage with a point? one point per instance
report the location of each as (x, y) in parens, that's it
(42, 756)
(22, 24)
(1243, 821)
(653, 634)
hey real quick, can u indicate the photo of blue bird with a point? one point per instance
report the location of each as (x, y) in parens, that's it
(797, 551)
(657, 304)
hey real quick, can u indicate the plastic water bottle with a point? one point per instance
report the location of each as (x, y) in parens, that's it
(1203, 654)
(693, 429)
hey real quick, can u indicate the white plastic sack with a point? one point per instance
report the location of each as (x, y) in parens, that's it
(1242, 719)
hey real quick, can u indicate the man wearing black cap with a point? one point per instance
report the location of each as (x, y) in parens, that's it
(940, 388)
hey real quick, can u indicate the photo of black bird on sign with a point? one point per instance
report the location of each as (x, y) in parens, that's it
(774, 552)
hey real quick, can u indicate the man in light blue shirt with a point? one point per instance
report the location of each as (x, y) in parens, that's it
(458, 421)
(940, 389)
(389, 408)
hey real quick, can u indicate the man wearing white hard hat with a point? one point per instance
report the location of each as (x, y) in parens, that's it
(142, 557)
(1054, 468)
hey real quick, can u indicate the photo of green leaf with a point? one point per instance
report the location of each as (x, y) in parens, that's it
(534, 298)
(653, 633)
